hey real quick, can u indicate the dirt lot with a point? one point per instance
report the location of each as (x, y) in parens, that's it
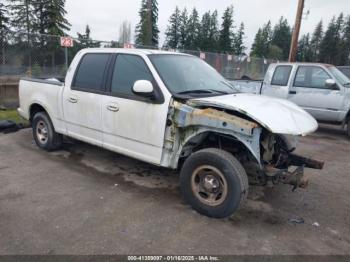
(85, 200)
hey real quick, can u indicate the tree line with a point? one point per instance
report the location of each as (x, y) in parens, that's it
(189, 31)
(185, 30)
(331, 45)
(325, 46)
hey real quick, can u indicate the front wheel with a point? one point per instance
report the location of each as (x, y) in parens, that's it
(213, 182)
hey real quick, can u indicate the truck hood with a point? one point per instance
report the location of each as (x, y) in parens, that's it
(277, 115)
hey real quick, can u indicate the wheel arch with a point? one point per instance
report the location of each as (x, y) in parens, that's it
(198, 140)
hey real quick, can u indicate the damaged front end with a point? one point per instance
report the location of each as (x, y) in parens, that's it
(268, 158)
(279, 164)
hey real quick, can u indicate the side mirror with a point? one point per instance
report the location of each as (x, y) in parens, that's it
(143, 88)
(330, 83)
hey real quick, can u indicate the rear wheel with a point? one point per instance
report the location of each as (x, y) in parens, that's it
(214, 183)
(44, 133)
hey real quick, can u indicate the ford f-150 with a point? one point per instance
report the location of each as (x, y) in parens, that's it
(172, 110)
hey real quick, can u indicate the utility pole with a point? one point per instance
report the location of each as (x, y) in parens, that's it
(296, 31)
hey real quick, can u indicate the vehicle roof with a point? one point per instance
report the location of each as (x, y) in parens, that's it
(130, 51)
(304, 63)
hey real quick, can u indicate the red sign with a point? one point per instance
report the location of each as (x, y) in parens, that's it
(67, 41)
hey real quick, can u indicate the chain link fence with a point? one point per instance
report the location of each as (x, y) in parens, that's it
(42, 56)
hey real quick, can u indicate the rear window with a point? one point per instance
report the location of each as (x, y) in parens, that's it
(91, 72)
(281, 75)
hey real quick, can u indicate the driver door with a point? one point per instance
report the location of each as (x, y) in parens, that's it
(309, 90)
(132, 124)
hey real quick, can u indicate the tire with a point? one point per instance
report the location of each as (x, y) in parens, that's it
(44, 133)
(200, 190)
(348, 128)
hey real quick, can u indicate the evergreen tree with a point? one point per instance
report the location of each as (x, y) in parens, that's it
(281, 37)
(345, 43)
(204, 36)
(4, 26)
(23, 15)
(331, 43)
(226, 32)
(262, 40)
(147, 32)
(209, 33)
(173, 33)
(183, 28)
(315, 43)
(304, 53)
(4, 17)
(193, 31)
(238, 41)
(214, 33)
(50, 17)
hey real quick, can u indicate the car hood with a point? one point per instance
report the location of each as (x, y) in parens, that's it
(277, 115)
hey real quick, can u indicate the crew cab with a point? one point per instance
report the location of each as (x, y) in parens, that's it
(321, 89)
(172, 110)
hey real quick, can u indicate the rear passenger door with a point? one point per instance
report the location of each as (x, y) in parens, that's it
(133, 125)
(82, 101)
(311, 93)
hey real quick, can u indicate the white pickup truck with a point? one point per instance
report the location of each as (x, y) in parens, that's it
(172, 110)
(320, 89)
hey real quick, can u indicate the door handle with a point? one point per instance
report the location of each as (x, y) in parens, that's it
(293, 92)
(113, 108)
(73, 100)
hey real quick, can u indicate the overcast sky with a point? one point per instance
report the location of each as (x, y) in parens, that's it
(105, 16)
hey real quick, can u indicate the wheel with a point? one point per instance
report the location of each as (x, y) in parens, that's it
(213, 182)
(44, 133)
(348, 127)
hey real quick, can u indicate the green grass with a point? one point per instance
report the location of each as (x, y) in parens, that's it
(12, 115)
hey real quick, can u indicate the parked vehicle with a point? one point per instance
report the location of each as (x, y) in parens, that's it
(172, 110)
(320, 89)
(345, 70)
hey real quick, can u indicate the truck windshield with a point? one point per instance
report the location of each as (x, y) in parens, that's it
(339, 76)
(190, 76)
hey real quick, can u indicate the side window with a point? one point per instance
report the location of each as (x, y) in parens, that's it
(127, 70)
(91, 72)
(281, 75)
(311, 77)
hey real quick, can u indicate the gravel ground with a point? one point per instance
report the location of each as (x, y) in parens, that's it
(86, 200)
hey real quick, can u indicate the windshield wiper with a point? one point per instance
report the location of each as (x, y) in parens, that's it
(198, 91)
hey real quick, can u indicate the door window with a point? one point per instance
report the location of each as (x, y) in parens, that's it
(127, 70)
(90, 73)
(311, 77)
(281, 75)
